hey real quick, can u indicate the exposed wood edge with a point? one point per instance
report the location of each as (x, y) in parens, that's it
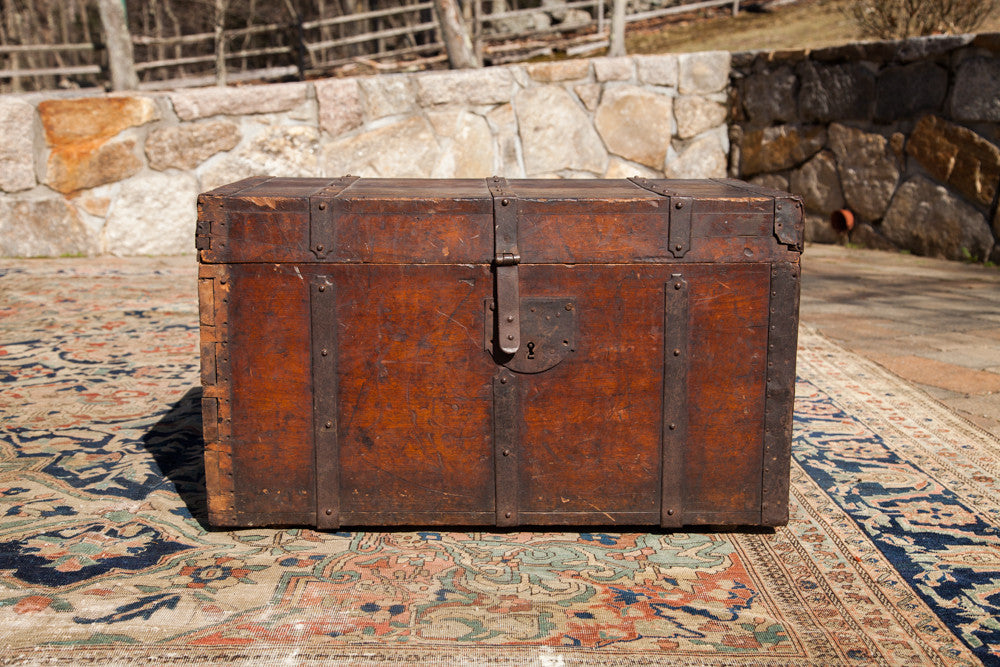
(780, 391)
(213, 310)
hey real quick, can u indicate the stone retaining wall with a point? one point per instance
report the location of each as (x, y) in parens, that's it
(88, 175)
(903, 134)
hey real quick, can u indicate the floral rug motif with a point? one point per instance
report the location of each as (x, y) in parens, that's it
(891, 557)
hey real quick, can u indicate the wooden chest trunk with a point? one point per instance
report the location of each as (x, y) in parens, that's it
(493, 352)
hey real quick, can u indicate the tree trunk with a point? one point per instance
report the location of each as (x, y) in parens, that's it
(617, 46)
(119, 44)
(455, 35)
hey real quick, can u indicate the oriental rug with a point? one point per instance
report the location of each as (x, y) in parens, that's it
(891, 557)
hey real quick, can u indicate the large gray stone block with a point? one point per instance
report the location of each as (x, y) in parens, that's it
(153, 214)
(976, 93)
(818, 183)
(635, 124)
(778, 148)
(17, 149)
(835, 92)
(958, 157)
(386, 95)
(404, 149)
(43, 226)
(340, 108)
(186, 146)
(618, 69)
(278, 150)
(238, 101)
(490, 85)
(503, 125)
(769, 97)
(696, 114)
(929, 220)
(556, 134)
(657, 70)
(703, 73)
(466, 142)
(703, 157)
(910, 89)
(868, 170)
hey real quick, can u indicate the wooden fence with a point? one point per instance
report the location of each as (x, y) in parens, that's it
(405, 37)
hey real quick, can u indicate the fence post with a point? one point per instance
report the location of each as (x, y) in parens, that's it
(298, 41)
(220, 42)
(118, 42)
(455, 35)
(736, 7)
(617, 45)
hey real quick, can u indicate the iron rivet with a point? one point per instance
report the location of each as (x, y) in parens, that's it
(329, 512)
(779, 208)
(678, 246)
(322, 288)
(569, 306)
(222, 281)
(503, 380)
(492, 307)
(510, 336)
(679, 204)
(532, 309)
(510, 318)
(328, 424)
(504, 202)
(506, 515)
(319, 247)
(322, 206)
(506, 452)
(673, 426)
(325, 352)
(677, 285)
(670, 512)
(677, 353)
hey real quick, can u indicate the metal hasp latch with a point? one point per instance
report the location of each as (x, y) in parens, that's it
(505, 260)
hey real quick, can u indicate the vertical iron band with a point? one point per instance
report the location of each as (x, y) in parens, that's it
(679, 214)
(782, 337)
(506, 424)
(323, 211)
(675, 400)
(322, 302)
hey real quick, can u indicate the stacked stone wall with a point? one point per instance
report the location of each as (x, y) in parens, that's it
(95, 174)
(904, 135)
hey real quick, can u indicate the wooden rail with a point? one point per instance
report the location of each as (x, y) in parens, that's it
(317, 47)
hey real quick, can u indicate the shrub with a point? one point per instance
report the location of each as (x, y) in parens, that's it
(898, 19)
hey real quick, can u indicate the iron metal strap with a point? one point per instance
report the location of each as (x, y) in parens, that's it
(322, 298)
(506, 436)
(675, 402)
(679, 210)
(323, 207)
(506, 257)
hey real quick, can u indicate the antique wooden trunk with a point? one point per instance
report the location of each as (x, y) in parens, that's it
(497, 352)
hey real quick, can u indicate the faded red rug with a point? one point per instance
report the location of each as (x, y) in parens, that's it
(892, 555)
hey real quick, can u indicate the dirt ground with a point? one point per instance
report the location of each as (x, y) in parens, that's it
(798, 25)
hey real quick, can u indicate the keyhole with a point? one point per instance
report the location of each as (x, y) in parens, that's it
(531, 350)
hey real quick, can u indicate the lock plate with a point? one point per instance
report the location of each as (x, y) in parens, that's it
(548, 334)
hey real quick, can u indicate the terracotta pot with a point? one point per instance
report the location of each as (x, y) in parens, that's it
(842, 221)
